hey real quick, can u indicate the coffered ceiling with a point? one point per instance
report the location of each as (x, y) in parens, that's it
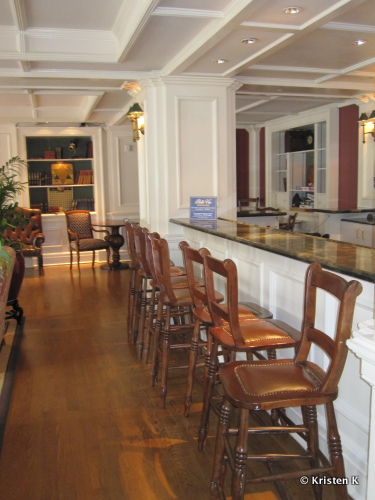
(68, 62)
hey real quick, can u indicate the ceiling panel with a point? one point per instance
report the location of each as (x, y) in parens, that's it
(165, 37)
(325, 48)
(77, 14)
(272, 12)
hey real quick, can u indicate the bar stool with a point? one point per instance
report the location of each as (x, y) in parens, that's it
(178, 276)
(194, 259)
(258, 386)
(233, 336)
(174, 301)
(133, 283)
(145, 288)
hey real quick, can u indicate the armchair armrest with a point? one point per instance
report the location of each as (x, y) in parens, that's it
(38, 240)
(74, 236)
(101, 231)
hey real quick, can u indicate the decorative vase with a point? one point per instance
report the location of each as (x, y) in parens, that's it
(15, 287)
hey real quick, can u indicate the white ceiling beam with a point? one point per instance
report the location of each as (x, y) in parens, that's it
(255, 104)
(18, 14)
(287, 82)
(130, 23)
(89, 104)
(117, 119)
(192, 13)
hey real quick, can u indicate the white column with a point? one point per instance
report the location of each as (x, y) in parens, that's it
(189, 147)
(363, 346)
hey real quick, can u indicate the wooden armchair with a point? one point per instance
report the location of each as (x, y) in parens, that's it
(29, 235)
(81, 236)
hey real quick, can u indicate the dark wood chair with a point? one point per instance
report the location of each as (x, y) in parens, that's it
(233, 335)
(81, 236)
(246, 204)
(29, 235)
(194, 262)
(260, 386)
(289, 225)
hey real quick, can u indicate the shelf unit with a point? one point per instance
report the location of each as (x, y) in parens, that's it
(299, 166)
(59, 176)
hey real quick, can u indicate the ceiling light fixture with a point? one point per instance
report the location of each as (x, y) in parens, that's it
(249, 40)
(219, 61)
(292, 10)
(359, 42)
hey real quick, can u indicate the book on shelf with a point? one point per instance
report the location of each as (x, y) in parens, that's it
(85, 177)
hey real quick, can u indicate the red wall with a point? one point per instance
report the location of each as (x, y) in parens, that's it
(262, 166)
(348, 157)
(242, 163)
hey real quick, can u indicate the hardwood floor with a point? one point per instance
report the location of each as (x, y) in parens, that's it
(84, 423)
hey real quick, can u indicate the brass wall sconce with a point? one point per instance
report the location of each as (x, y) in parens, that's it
(367, 120)
(135, 115)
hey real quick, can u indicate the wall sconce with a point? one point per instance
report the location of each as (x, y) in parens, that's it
(135, 115)
(364, 120)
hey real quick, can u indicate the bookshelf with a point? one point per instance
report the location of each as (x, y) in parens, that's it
(60, 173)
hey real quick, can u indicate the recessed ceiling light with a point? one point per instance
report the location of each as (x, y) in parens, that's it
(219, 61)
(359, 42)
(249, 40)
(292, 10)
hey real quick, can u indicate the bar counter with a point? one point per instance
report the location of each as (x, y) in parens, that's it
(272, 268)
(352, 260)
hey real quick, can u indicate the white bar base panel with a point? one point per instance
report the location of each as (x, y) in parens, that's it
(363, 346)
(277, 283)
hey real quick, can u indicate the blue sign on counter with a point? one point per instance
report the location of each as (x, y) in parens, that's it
(203, 207)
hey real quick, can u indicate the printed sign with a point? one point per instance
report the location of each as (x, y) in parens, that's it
(203, 207)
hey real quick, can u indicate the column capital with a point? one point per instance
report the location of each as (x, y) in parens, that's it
(157, 79)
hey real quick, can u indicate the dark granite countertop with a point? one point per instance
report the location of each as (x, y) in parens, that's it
(360, 221)
(353, 211)
(353, 260)
(260, 213)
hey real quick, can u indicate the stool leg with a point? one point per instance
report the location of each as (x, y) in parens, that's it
(149, 323)
(155, 349)
(191, 367)
(208, 384)
(138, 302)
(217, 486)
(165, 356)
(240, 457)
(335, 451)
(142, 316)
(131, 306)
